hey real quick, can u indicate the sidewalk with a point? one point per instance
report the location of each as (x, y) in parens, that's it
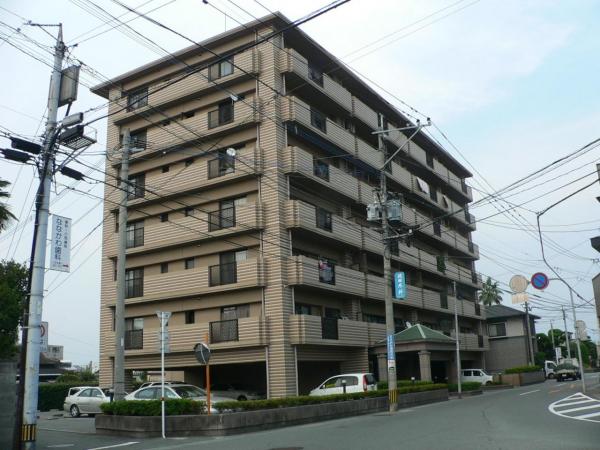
(593, 385)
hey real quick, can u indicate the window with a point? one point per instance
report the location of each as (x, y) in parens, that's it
(372, 318)
(326, 271)
(220, 69)
(136, 188)
(444, 299)
(164, 267)
(497, 329)
(315, 75)
(147, 394)
(235, 312)
(466, 330)
(189, 211)
(134, 236)
(221, 165)
(321, 169)
(165, 169)
(138, 141)
(437, 228)
(422, 186)
(134, 283)
(138, 98)
(164, 123)
(189, 162)
(429, 158)
(446, 202)
(190, 317)
(222, 115)
(164, 217)
(189, 263)
(323, 219)
(303, 309)
(134, 333)
(433, 195)
(187, 114)
(318, 120)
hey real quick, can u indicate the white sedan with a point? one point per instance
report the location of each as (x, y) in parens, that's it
(84, 400)
(174, 391)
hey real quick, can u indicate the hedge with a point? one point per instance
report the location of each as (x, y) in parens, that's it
(52, 395)
(402, 383)
(173, 407)
(252, 405)
(523, 369)
(465, 386)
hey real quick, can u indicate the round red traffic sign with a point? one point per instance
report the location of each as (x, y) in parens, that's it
(540, 280)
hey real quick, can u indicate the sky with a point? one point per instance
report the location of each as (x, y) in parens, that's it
(510, 86)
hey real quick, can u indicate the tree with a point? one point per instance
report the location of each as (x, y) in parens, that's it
(544, 344)
(13, 294)
(5, 215)
(490, 293)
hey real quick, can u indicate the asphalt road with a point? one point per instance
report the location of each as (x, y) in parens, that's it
(519, 418)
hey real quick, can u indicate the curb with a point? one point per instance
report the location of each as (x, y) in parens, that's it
(454, 395)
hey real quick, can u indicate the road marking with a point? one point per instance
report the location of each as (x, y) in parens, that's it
(530, 392)
(124, 444)
(557, 407)
(61, 445)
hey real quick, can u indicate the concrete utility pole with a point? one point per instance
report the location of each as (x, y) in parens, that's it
(553, 345)
(119, 369)
(457, 336)
(566, 333)
(577, 340)
(36, 295)
(528, 330)
(390, 326)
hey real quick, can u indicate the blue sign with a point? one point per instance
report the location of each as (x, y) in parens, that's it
(391, 347)
(399, 285)
(540, 280)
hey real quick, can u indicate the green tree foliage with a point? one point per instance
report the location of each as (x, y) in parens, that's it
(13, 294)
(544, 343)
(490, 293)
(5, 214)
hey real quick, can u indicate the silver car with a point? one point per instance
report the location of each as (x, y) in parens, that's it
(173, 391)
(84, 400)
(236, 392)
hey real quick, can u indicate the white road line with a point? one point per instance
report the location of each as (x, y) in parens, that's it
(581, 408)
(578, 402)
(556, 408)
(124, 444)
(530, 392)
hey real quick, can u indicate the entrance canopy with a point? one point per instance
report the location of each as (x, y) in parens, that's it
(418, 338)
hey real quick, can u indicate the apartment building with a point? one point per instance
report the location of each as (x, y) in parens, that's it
(252, 170)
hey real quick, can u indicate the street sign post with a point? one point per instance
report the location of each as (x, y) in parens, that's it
(540, 280)
(163, 317)
(399, 285)
(202, 353)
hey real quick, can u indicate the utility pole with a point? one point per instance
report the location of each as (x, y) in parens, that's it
(566, 333)
(119, 369)
(553, 345)
(36, 295)
(390, 326)
(457, 339)
(577, 340)
(528, 329)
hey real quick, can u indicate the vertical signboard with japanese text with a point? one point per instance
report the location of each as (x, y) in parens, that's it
(60, 252)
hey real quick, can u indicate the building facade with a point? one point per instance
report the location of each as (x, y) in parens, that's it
(507, 331)
(252, 169)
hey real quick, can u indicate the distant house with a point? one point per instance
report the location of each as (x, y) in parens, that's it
(507, 334)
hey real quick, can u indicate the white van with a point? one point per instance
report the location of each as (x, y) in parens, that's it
(477, 375)
(549, 367)
(355, 382)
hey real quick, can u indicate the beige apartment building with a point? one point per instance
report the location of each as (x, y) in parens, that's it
(252, 170)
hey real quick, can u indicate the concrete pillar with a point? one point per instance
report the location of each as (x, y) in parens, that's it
(382, 365)
(425, 365)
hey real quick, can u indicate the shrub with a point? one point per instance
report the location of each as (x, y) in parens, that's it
(401, 383)
(252, 405)
(523, 369)
(465, 386)
(173, 407)
(52, 395)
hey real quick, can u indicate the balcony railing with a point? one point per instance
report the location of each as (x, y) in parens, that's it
(134, 339)
(224, 331)
(329, 328)
(222, 274)
(223, 218)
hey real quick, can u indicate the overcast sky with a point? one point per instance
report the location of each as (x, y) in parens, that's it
(512, 84)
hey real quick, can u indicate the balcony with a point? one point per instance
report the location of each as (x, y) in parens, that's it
(317, 330)
(224, 331)
(294, 62)
(302, 215)
(472, 342)
(364, 113)
(301, 162)
(186, 283)
(194, 86)
(306, 271)
(134, 339)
